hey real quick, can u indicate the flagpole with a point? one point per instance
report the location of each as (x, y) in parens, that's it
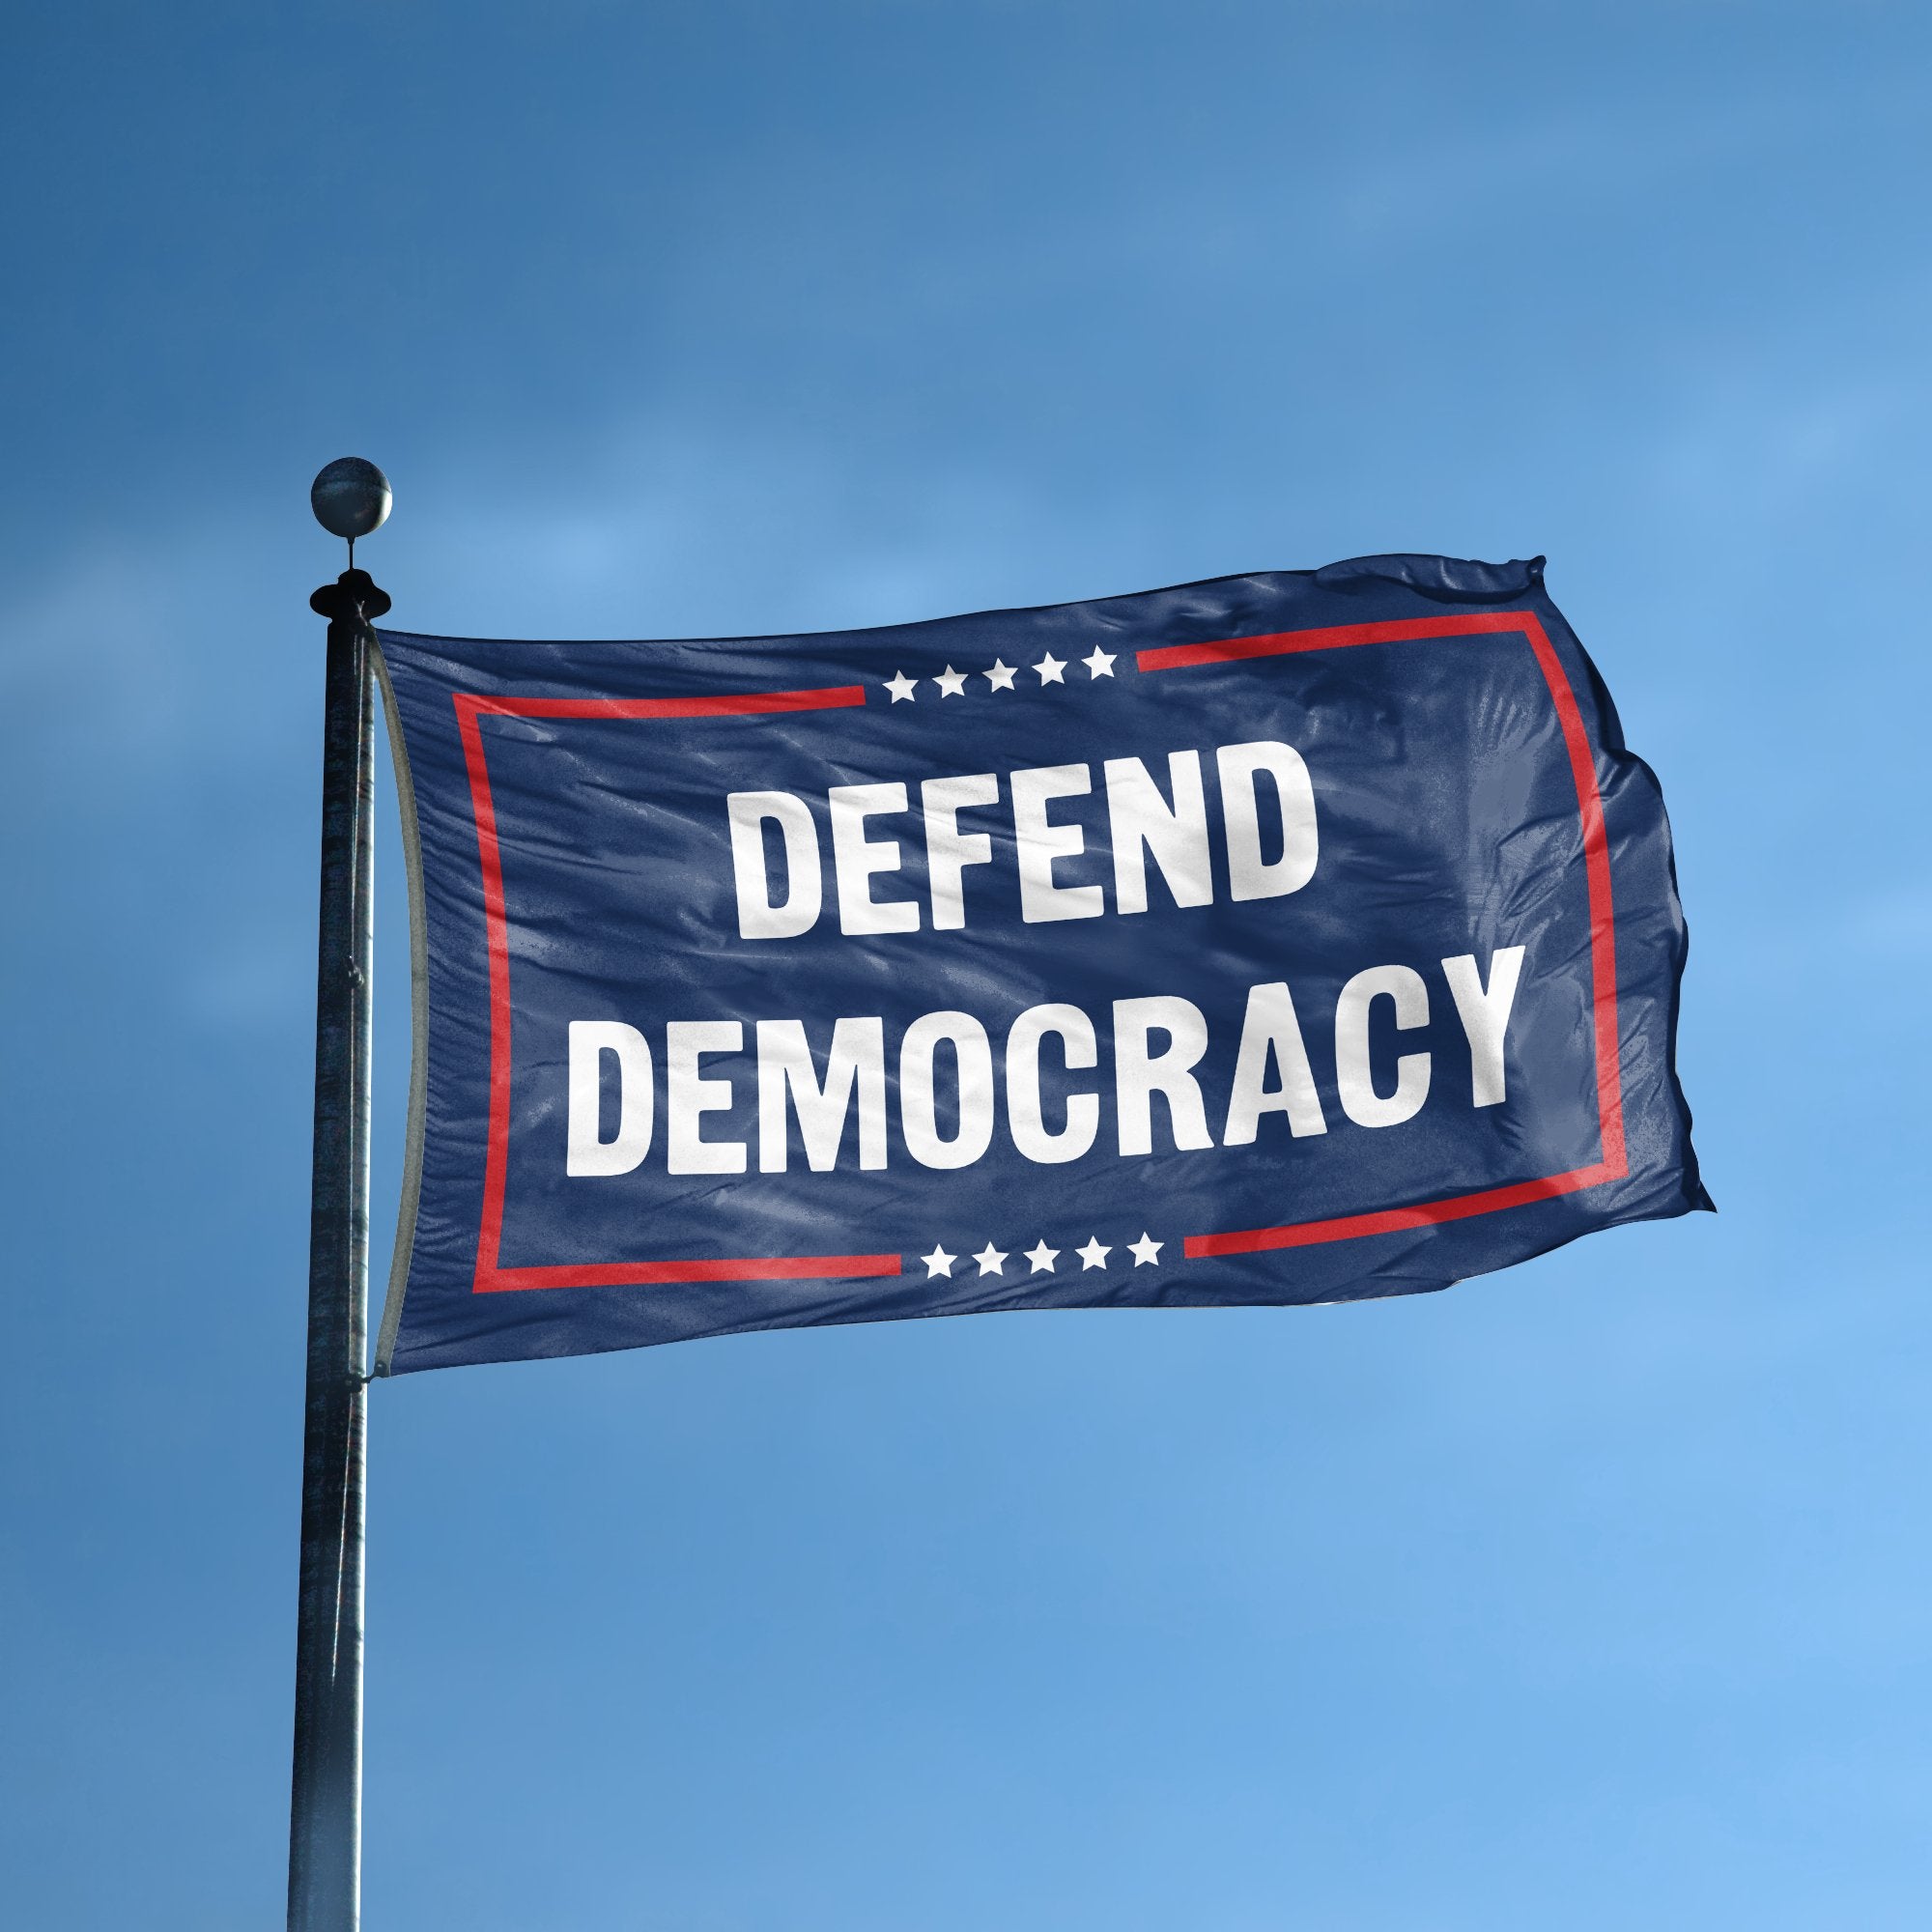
(350, 498)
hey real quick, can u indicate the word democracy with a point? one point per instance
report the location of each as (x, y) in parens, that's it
(949, 1057)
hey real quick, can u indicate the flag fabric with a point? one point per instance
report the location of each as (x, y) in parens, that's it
(1298, 937)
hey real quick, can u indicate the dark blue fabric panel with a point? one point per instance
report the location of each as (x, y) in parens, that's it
(1450, 823)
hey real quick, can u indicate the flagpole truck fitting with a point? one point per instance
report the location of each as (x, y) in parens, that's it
(351, 498)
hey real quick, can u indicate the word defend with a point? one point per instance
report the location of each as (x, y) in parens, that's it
(1171, 830)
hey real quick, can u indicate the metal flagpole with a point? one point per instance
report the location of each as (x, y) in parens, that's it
(351, 498)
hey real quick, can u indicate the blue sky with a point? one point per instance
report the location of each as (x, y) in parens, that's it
(1591, 1595)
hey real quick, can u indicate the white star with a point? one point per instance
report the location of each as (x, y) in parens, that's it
(952, 683)
(1001, 676)
(1145, 1250)
(1101, 664)
(900, 686)
(1093, 1255)
(991, 1261)
(1049, 668)
(938, 1262)
(1042, 1257)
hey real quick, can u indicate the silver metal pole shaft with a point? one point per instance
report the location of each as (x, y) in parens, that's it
(325, 1820)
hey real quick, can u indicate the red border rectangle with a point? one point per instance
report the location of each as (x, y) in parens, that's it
(470, 706)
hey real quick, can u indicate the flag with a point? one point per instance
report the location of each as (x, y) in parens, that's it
(1298, 937)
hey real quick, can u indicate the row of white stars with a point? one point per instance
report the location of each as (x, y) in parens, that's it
(952, 683)
(992, 1261)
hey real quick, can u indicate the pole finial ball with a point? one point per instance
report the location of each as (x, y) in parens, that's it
(349, 497)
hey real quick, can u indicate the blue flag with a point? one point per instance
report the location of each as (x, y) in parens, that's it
(1298, 937)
